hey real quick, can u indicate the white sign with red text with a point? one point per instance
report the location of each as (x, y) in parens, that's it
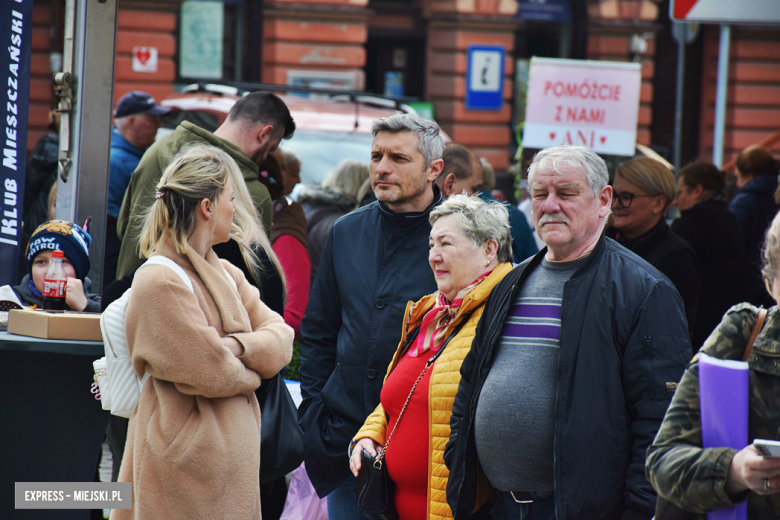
(144, 59)
(583, 102)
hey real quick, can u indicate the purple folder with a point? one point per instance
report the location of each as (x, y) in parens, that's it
(723, 397)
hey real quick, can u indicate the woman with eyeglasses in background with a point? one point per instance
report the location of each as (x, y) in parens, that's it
(642, 190)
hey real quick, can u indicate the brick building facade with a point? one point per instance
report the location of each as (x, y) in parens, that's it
(357, 37)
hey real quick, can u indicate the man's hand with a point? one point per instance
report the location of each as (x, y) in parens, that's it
(74, 295)
(749, 470)
(355, 461)
(233, 345)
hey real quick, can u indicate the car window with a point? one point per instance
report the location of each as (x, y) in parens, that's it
(320, 151)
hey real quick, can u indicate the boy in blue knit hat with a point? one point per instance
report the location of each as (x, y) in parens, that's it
(74, 243)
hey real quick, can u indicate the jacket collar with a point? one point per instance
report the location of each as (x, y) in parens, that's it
(25, 292)
(119, 141)
(315, 195)
(593, 259)
(411, 218)
(415, 312)
(761, 184)
(30, 297)
(644, 242)
(214, 277)
(706, 206)
(234, 151)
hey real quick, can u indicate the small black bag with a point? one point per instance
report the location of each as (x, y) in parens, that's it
(375, 489)
(281, 439)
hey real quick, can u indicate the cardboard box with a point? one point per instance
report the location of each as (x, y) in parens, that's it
(79, 326)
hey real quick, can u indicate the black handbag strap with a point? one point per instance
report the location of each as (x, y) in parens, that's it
(431, 361)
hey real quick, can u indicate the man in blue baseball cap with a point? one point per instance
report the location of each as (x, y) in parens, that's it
(136, 120)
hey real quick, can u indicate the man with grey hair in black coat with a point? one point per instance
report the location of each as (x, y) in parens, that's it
(374, 261)
(573, 365)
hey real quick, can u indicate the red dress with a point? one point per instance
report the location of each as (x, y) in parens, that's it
(408, 452)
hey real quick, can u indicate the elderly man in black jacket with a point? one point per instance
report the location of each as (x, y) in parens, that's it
(373, 262)
(574, 363)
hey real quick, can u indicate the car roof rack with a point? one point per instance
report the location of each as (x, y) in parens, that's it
(241, 88)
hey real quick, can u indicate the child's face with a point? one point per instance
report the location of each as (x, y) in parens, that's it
(41, 264)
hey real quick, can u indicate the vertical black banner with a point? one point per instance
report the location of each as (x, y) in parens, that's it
(15, 39)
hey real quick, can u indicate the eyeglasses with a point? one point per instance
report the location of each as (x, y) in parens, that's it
(625, 198)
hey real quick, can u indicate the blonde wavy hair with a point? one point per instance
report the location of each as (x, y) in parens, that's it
(347, 178)
(200, 172)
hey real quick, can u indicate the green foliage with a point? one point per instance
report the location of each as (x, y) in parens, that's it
(293, 370)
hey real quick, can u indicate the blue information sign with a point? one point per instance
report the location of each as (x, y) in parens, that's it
(15, 38)
(485, 77)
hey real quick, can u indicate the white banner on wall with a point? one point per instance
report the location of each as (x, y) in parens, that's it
(583, 102)
(200, 45)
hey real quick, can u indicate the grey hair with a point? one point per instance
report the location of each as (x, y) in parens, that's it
(431, 144)
(479, 221)
(290, 158)
(120, 122)
(347, 178)
(488, 175)
(558, 157)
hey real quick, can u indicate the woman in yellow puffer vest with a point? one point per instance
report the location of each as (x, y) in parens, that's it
(471, 251)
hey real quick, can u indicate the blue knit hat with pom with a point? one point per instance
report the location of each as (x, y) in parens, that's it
(64, 236)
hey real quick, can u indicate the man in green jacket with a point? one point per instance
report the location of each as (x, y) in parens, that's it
(254, 127)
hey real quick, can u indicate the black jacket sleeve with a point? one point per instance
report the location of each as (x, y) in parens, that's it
(659, 344)
(682, 268)
(325, 444)
(456, 449)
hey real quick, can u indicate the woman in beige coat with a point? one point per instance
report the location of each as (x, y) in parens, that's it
(193, 444)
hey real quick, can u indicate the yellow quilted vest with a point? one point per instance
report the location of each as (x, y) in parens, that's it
(444, 381)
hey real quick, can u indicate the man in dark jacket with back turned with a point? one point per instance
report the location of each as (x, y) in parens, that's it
(373, 262)
(573, 365)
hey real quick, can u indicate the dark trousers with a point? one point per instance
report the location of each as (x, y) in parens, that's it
(116, 434)
(507, 507)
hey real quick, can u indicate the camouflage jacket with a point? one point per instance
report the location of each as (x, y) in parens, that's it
(694, 478)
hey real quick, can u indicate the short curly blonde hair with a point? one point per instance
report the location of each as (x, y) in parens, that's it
(479, 221)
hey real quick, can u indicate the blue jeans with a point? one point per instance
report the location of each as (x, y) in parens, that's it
(342, 501)
(506, 508)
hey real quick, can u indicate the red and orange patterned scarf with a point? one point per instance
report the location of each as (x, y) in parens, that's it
(435, 323)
